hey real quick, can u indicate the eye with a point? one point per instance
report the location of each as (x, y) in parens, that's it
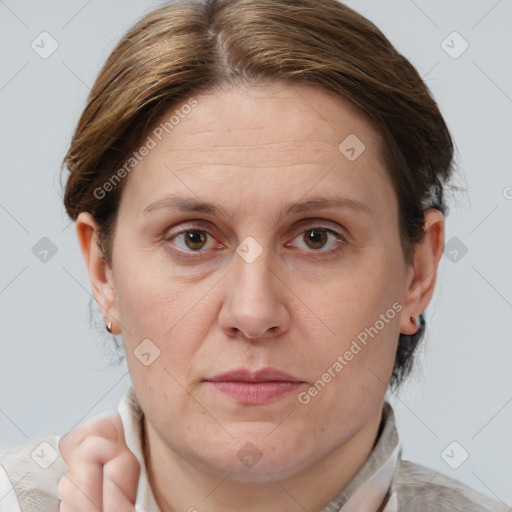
(195, 241)
(192, 239)
(318, 237)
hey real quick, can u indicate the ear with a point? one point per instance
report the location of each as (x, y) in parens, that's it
(424, 272)
(100, 274)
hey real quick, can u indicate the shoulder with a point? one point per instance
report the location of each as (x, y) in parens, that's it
(420, 488)
(30, 474)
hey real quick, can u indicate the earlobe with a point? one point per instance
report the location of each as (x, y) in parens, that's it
(423, 277)
(100, 274)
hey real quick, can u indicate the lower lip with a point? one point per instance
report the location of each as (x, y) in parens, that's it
(256, 392)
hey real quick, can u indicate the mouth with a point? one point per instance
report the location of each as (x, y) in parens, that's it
(255, 387)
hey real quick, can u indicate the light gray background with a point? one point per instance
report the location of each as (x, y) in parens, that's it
(54, 369)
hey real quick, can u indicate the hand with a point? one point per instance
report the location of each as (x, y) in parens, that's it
(103, 473)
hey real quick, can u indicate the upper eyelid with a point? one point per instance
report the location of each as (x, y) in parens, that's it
(201, 225)
(205, 224)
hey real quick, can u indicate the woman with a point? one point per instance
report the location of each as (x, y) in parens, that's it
(258, 195)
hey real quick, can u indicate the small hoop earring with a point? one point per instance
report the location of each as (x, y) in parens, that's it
(416, 320)
(109, 327)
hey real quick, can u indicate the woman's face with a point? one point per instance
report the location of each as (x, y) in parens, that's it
(231, 255)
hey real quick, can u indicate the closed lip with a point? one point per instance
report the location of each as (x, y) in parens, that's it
(262, 375)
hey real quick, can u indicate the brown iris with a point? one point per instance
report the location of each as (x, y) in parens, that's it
(195, 238)
(316, 237)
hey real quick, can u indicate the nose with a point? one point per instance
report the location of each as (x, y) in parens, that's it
(256, 305)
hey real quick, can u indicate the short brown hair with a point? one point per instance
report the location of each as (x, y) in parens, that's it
(190, 46)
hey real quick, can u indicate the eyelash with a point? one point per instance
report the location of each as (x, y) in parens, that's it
(330, 228)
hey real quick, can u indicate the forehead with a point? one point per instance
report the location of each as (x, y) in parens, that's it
(266, 114)
(273, 139)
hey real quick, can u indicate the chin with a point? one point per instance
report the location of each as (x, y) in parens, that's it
(263, 472)
(266, 463)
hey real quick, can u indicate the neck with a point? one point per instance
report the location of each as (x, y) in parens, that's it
(180, 486)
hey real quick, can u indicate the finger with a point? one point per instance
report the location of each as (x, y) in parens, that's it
(73, 498)
(65, 507)
(86, 449)
(117, 501)
(106, 425)
(120, 482)
(84, 483)
(118, 489)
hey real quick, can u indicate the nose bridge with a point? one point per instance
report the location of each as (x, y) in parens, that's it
(253, 269)
(253, 305)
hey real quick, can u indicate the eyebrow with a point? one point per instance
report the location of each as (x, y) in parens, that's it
(190, 204)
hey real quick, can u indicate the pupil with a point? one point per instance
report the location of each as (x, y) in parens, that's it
(317, 236)
(194, 237)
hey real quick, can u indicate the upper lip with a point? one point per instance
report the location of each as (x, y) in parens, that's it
(246, 375)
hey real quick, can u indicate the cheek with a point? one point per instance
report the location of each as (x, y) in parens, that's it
(176, 317)
(151, 300)
(358, 318)
(348, 305)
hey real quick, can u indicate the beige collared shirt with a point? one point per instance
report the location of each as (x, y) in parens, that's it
(30, 473)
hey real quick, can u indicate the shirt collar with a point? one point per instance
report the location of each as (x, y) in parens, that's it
(371, 486)
(366, 492)
(131, 416)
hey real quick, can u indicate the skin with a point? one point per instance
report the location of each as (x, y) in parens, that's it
(103, 473)
(253, 150)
